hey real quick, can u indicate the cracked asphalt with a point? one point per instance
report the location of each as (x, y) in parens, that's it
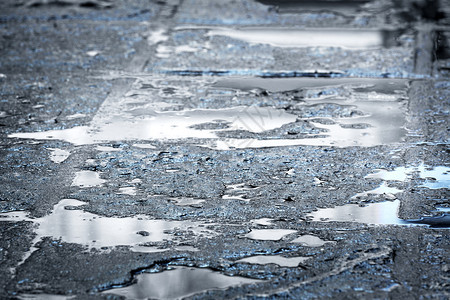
(224, 149)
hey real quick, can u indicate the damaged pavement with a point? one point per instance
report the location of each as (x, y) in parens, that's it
(224, 149)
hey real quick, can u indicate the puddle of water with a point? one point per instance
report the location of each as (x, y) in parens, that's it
(310, 241)
(92, 53)
(298, 38)
(435, 177)
(85, 179)
(383, 189)
(186, 248)
(157, 36)
(383, 213)
(129, 190)
(380, 119)
(268, 234)
(187, 201)
(276, 85)
(167, 125)
(144, 146)
(75, 116)
(262, 221)
(274, 259)
(77, 226)
(443, 209)
(398, 174)
(235, 197)
(58, 155)
(177, 283)
(108, 149)
(43, 297)
(134, 119)
(339, 6)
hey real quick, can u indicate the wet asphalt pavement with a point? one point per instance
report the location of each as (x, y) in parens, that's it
(224, 149)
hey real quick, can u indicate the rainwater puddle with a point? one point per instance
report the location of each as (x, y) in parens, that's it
(435, 177)
(108, 149)
(268, 234)
(92, 53)
(73, 225)
(157, 36)
(43, 297)
(85, 179)
(383, 213)
(75, 116)
(383, 124)
(168, 125)
(129, 190)
(262, 221)
(379, 120)
(274, 259)
(276, 85)
(385, 190)
(187, 201)
(310, 241)
(144, 146)
(339, 6)
(178, 283)
(299, 38)
(58, 155)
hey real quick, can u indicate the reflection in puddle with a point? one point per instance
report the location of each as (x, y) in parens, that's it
(276, 85)
(77, 226)
(183, 201)
(43, 297)
(262, 221)
(375, 213)
(268, 234)
(129, 190)
(383, 213)
(287, 37)
(58, 155)
(168, 125)
(370, 112)
(75, 116)
(144, 146)
(274, 259)
(435, 177)
(150, 249)
(177, 283)
(339, 6)
(108, 149)
(383, 124)
(310, 241)
(388, 192)
(86, 179)
(157, 36)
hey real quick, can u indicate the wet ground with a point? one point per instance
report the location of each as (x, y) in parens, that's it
(224, 149)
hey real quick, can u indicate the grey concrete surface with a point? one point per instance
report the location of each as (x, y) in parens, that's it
(224, 149)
